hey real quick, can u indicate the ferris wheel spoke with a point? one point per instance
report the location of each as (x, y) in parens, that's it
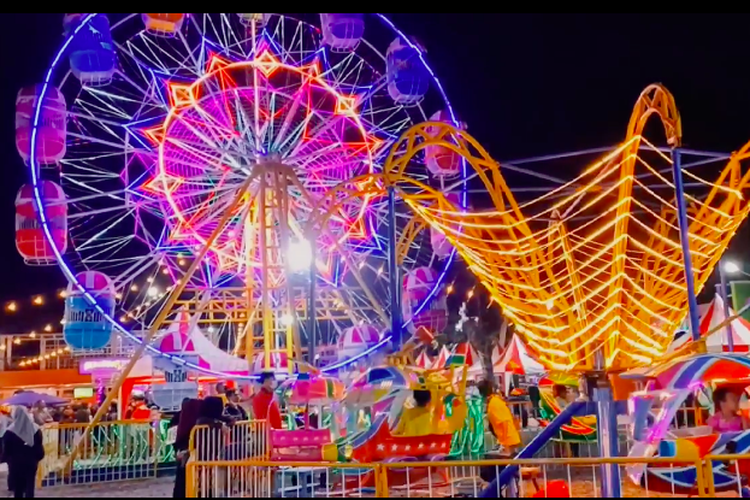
(124, 147)
(148, 174)
(93, 239)
(104, 252)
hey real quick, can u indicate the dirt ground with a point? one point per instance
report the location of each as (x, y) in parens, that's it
(148, 488)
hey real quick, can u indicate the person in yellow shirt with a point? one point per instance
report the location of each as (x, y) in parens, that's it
(500, 418)
(418, 420)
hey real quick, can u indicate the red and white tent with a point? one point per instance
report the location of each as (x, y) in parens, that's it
(442, 358)
(711, 316)
(515, 359)
(423, 360)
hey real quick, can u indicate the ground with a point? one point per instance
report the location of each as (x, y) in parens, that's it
(148, 488)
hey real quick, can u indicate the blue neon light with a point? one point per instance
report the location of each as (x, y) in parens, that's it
(68, 272)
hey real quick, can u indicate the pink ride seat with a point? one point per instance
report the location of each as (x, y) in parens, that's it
(300, 445)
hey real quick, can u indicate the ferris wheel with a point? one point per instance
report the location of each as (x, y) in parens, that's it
(156, 140)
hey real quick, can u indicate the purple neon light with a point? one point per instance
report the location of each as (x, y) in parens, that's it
(67, 271)
(455, 123)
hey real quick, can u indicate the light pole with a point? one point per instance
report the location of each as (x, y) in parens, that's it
(728, 267)
(302, 258)
(685, 243)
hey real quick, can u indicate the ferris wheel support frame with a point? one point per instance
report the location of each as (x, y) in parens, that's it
(395, 283)
(165, 311)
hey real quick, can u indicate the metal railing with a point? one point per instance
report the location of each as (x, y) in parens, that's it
(411, 479)
(114, 451)
(243, 440)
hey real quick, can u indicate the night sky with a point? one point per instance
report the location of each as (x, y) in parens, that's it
(526, 85)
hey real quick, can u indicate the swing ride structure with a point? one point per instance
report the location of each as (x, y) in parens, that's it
(275, 178)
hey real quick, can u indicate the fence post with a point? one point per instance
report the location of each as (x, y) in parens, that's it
(190, 479)
(381, 481)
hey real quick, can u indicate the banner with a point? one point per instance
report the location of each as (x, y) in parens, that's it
(740, 296)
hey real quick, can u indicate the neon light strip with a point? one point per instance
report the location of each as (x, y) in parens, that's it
(68, 272)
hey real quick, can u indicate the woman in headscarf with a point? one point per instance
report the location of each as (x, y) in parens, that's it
(22, 450)
(189, 413)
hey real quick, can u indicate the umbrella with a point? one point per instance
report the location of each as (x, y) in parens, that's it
(30, 398)
(312, 390)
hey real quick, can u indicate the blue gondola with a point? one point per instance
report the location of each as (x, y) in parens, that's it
(342, 32)
(86, 328)
(408, 77)
(92, 50)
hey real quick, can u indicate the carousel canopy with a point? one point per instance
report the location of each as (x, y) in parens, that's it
(690, 371)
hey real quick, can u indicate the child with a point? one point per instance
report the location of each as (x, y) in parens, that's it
(726, 417)
(416, 421)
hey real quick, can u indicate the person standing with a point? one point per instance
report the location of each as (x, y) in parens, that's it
(22, 451)
(221, 391)
(233, 408)
(41, 415)
(189, 413)
(500, 418)
(264, 402)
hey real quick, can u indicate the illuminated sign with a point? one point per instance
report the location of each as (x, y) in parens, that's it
(106, 365)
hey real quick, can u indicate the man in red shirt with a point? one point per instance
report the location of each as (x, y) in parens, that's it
(265, 406)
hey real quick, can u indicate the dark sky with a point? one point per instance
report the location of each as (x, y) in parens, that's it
(525, 84)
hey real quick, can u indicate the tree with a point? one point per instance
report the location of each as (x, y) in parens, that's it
(484, 329)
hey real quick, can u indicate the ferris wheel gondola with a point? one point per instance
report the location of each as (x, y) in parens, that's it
(169, 115)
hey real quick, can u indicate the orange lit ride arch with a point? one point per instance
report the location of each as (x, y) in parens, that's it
(589, 265)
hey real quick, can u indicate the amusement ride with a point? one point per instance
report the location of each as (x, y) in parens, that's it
(230, 192)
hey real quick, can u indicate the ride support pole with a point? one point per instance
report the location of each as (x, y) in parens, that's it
(685, 241)
(725, 298)
(165, 310)
(312, 339)
(606, 421)
(395, 281)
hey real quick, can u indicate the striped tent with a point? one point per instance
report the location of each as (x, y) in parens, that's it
(423, 360)
(711, 316)
(516, 359)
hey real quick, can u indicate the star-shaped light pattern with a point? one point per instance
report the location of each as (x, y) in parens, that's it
(154, 159)
(234, 117)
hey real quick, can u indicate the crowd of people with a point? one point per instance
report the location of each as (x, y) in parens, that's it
(22, 447)
(218, 413)
(74, 413)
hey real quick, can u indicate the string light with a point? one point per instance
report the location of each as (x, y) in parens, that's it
(38, 300)
(11, 307)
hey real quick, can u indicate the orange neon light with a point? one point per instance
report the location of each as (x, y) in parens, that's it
(594, 265)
